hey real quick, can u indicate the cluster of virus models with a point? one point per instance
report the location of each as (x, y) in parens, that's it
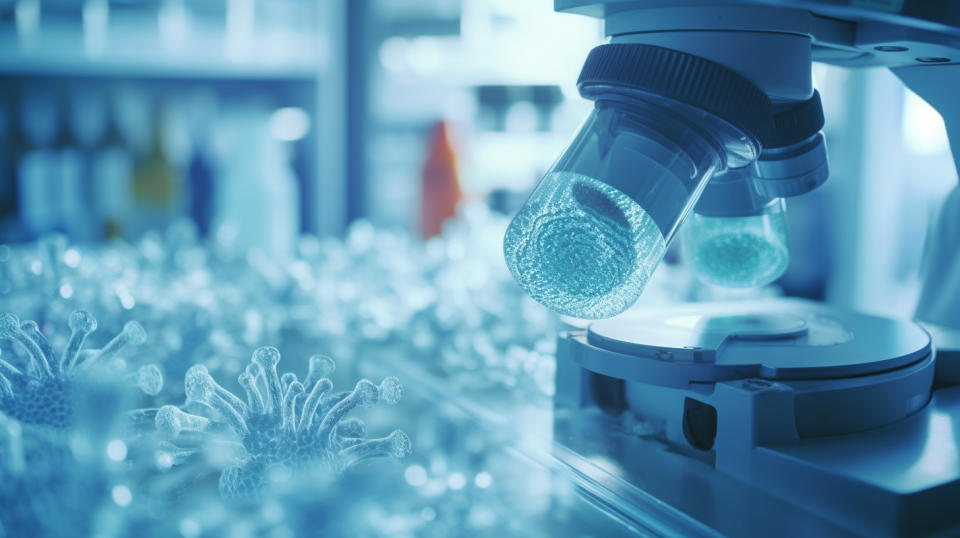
(37, 404)
(284, 423)
(40, 393)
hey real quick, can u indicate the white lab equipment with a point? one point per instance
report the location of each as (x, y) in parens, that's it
(257, 200)
(773, 417)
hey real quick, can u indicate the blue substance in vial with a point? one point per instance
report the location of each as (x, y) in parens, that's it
(582, 247)
(737, 252)
(739, 260)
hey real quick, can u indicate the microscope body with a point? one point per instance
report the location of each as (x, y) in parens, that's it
(843, 422)
(773, 43)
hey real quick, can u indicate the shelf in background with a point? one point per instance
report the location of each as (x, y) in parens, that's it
(267, 56)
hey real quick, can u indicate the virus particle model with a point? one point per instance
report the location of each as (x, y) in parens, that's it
(40, 391)
(284, 423)
(45, 405)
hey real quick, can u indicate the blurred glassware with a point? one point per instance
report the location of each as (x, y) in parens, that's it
(440, 185)
(111, 173)
(258, 196)
(38, 187)
(157, 185)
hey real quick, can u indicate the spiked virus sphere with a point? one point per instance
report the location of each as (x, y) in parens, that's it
(283, 423)
(41, 393)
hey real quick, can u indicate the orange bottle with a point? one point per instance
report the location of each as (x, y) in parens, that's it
(440, 186)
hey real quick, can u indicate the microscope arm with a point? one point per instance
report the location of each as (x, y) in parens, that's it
(939, 301)
(940, 272)
(938, 85)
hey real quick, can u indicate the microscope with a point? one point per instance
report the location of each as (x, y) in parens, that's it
(758, 418)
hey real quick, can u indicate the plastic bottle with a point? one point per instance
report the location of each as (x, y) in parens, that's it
(257, 195)
(157, 186)
(38, 189)
(440, 187)
(111, 172)
(71, 171)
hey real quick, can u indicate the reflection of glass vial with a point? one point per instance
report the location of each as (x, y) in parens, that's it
(738, 251)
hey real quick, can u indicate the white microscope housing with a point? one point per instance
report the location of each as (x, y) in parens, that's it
(782, 416)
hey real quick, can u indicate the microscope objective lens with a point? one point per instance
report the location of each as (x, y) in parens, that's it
(737, 252)
(582, 247)
(739, 260)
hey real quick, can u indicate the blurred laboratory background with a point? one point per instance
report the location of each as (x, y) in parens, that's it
(290, 116)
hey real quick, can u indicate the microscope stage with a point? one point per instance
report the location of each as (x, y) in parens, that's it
(770, 339)
(830, 411)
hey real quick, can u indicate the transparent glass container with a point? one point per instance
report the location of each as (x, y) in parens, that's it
(599, 221)
(738, 251)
